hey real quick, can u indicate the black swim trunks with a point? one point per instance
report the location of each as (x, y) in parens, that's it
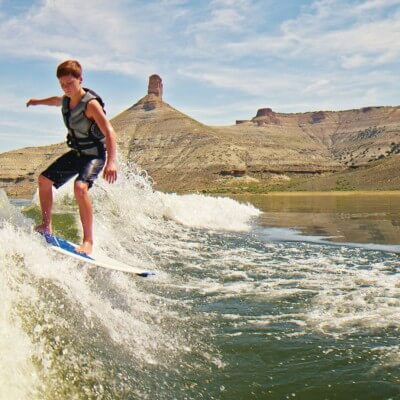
(71, 164)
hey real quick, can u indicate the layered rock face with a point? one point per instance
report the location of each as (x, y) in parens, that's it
(265, 116)
(180, 153)
(352, 138)
(19, 169)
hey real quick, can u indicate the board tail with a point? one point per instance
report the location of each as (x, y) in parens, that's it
(145, 274)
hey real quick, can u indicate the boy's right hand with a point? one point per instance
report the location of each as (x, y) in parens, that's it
(110, 172)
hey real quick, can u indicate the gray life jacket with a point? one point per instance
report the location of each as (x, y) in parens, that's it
(84, 136)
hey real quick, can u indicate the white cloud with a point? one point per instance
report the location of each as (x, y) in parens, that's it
(136, 38)
(310, 61)
(228, 18)
(230, 15)
(253, 82)
(353, 61)
(226, 115)
(330, 30)
(219, 20)
(320, 87)
(299, 90)
(103, 35)
(24, 126)
(372, 5)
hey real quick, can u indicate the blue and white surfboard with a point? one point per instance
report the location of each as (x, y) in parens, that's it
(68, 248)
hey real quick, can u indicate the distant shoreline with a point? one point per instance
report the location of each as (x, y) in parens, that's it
(272, 193)
(325, 193)
(295, 193)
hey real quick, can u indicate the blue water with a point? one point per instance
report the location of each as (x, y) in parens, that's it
(237, 310)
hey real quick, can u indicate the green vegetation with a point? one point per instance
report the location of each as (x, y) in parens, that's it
(378, 175)
(260, 187)
(63, 223)
(342, 184)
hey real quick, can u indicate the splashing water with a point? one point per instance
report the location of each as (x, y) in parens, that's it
(230, 313)
(86, 333)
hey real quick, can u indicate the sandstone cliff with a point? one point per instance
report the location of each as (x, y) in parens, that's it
(353, 137)
(20, 168)
(180, 153)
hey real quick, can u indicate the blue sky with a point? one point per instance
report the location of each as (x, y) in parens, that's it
(220, 60)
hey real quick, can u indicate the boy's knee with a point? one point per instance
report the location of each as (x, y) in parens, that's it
(80, 188)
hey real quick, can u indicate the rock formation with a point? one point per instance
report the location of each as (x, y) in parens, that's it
(155, 86)
(264, 112)
(153, 99)
(265, 116)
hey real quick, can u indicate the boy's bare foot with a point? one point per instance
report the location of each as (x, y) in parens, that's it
(86, 247)
(43, 229)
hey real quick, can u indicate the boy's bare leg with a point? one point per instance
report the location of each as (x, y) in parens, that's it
(86, 213)
(46, 204)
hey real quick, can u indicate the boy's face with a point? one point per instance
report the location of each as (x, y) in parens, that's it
(70, 85)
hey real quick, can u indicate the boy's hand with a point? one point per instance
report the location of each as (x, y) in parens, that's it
(31, 102)
(110, 172)
(49, 101)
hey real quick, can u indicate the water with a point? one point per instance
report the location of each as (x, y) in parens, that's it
(343, 217)
(240, 308)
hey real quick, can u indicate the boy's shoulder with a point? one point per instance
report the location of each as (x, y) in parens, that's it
(91, 95)
(85, 100)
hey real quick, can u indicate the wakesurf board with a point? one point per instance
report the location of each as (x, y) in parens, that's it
(67, 248)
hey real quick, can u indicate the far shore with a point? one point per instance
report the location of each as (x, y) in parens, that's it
(327, 193)
(272, 193)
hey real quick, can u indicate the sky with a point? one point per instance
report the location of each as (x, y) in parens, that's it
(220, 60)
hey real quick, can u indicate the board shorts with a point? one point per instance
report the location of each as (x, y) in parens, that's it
(70, 164)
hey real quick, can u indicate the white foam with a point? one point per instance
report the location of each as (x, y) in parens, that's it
(129, 224)
(389, 357)
(10, 213)
(329, 290)
(206, 212)
(354, 301)
(18, 378)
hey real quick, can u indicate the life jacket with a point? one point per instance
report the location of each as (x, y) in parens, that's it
(84, 136)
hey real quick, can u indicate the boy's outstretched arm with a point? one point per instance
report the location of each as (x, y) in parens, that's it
(49, 101)
(96, 113)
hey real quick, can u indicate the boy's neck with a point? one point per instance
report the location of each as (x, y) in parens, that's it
(75, 99)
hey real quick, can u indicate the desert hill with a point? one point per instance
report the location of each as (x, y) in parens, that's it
(183, 154)
(377, 175)
(269, 150)
(19, 169)
(353, 137)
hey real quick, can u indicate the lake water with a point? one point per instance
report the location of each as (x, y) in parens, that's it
(262, 297)
(362, 218)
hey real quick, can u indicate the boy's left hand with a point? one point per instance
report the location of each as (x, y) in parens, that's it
(110, 172)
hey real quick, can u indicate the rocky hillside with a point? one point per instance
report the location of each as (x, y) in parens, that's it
(270, 149)
(19, 169)
(183, 154)
(353, 138)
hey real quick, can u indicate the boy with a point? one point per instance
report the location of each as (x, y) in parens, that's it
(93, 146)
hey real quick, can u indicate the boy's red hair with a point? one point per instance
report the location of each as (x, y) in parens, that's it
(69, 67)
